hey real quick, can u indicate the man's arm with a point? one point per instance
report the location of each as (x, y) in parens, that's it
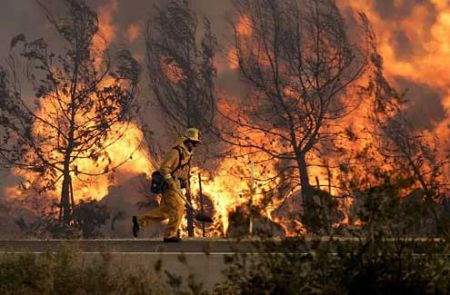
(168, 165)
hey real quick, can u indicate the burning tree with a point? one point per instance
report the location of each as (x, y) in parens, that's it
(391, 170)
(413, 151)
(299, 61)
(411, 156)
(180, 66)
(181, 69)
(77, 103)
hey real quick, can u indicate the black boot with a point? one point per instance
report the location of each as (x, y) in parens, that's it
(172, 240)
(136, 227)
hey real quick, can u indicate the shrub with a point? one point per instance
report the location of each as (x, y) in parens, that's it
(365, 266)
(66, 272)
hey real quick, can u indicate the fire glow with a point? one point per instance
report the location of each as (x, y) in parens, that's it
(229, 187)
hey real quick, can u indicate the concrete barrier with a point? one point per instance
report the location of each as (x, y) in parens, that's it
(201, 259)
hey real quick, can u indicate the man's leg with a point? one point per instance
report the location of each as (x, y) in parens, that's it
(156, 214)
(175, 206)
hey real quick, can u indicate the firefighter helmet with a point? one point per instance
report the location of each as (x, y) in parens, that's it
(193, 134)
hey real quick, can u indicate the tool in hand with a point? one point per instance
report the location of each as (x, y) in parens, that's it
(199, 216)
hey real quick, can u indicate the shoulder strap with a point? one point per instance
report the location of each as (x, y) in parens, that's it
(180, 160)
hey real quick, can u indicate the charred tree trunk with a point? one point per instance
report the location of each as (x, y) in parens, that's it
(309, 215)
(65, 213)
(66, 191)
(306, 189)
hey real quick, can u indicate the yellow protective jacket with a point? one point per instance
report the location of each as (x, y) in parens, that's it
(172, 160)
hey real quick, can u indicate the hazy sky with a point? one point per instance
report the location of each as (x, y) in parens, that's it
(25, 16)
(412, 34)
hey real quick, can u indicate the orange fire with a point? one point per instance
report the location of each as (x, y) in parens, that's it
(244, 26)
(229, 191)
(126, 153)
(133, 32)
(230, 185)
(243, 29)
(429, 64)
(173, 72)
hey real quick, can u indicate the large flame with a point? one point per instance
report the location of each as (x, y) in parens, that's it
(124, 152)
(429, 63)
(229, 186)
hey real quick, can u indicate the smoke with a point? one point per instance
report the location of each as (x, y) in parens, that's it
(395, 11)
(403, 45)
(425, 109)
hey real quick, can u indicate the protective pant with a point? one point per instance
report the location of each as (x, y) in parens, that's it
(171, 207)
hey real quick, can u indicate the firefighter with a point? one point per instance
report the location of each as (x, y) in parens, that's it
(175, 170)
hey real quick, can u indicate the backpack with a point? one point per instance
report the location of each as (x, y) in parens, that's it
(159, 184)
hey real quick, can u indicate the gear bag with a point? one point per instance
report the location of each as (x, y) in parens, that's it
(159, 184)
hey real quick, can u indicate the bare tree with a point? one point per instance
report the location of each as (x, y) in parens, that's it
(181, 69)
(79, 96)
(299, 61)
